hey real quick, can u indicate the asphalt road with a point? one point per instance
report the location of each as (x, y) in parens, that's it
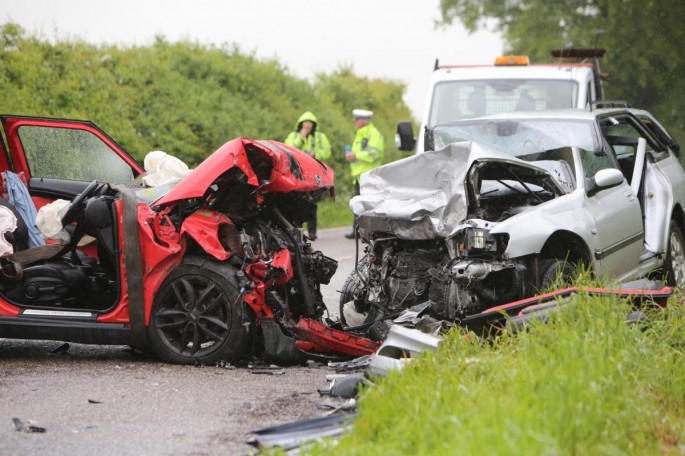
(109, 400)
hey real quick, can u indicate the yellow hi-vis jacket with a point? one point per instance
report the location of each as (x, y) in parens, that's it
(368, 147)
(315, 144)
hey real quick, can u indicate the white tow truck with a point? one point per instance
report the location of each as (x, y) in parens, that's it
(511, 84)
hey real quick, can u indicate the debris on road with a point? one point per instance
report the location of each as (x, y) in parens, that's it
(22, 427)
(292, 435)
(345, 386)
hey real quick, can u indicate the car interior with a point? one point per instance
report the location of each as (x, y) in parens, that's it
(61, 276)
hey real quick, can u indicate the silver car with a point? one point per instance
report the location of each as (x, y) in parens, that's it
(499, 206)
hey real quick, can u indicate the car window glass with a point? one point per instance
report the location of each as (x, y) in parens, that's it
(658, 132)
(619, 132)
(63, 153)
(453, 100)
(622, 134)
(519, 138)
(595, 161)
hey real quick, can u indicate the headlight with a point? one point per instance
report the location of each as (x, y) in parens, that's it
(479, 243)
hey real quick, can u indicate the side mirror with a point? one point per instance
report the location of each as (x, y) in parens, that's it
(604, 178)
(405, 136)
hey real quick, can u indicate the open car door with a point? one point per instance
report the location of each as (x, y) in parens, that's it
(58, 157)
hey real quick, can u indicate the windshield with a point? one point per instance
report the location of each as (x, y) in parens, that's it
(518, 138)
(454, 100)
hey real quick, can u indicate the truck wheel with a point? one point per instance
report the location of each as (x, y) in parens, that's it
(198, 315)
(674, 264)
(555, 274)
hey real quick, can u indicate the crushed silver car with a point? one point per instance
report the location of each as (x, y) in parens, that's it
(498, 207)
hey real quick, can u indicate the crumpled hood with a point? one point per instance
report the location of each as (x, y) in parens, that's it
(424, 196)
(290, 170)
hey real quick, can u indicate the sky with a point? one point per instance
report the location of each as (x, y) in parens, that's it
(390, 39)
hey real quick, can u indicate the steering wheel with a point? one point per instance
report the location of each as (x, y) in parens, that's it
(78, 203)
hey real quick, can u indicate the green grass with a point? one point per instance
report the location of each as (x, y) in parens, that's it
(586, 383)
(334, 213)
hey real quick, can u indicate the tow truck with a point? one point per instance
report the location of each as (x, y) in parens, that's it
(573, 80)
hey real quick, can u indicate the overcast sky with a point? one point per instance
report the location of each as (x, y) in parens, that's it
(394, 39)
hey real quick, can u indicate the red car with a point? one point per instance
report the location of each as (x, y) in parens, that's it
(214, 268)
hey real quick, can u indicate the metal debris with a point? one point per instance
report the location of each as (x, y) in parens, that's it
(346, 386)
(293, 435)
(21, 427)
(266, 371)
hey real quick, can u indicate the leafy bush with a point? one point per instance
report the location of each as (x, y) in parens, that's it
(185, 98)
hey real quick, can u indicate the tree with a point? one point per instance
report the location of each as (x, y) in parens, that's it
(645, 57)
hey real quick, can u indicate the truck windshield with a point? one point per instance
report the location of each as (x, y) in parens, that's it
(525, 139)
(453, 100)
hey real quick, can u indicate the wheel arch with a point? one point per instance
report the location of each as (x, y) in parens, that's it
(566, 245)
(679, 216)
(219, 278)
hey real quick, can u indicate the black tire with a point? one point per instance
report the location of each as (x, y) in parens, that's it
(674, 263)
(352, 286)
(198, 316)
(555, 274)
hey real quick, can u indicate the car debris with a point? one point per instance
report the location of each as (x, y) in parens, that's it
(347, 406)
(225, 365)
(399, 348)
(293, 435)
(20, 426)
(345, 386)
(267, 371)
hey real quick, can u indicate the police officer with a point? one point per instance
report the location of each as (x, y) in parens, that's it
(309, 140)
(366, 152)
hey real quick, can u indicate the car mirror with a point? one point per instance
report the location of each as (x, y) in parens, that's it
(405, 136)
(609, 177)
(604, 178)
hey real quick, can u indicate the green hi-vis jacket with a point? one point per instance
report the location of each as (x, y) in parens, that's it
(368, 147)
(315, 144)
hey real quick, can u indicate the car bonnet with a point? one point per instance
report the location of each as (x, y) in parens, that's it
(291, 170)
(424, 196)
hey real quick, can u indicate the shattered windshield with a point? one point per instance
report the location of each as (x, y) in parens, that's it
(525, 139)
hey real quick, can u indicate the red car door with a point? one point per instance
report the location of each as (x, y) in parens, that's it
(60, 157)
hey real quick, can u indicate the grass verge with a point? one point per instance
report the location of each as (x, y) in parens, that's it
(334, 213)
(585, 383)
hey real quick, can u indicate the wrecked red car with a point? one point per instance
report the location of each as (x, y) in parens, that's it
(216, 268)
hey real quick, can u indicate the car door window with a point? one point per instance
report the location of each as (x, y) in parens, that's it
(622, 133)
(72, 154)
(662, 136)
(594, 161)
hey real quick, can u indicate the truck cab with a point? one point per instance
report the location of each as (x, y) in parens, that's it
(511, 84)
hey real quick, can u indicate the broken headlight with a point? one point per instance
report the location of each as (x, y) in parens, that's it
(480, 243)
